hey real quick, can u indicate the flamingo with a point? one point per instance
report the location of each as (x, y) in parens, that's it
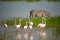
(5, 25)
(42, 25)
(25, 27)
(30, 25)
(18, 25)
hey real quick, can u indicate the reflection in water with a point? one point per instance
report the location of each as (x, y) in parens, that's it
(5, 35)
(26, 35)
(18, 35)
(42, 36)
(31, 36)
(47, 34)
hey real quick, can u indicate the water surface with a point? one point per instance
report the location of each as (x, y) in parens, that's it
(12, 34)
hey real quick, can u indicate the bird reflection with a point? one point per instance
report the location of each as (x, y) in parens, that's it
(42, 35)
(18, 35)
(5, 35)
(26, 35)
(31, 36)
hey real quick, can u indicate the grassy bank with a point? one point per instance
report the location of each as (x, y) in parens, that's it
(50, 21)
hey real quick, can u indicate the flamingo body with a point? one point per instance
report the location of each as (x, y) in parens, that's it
(31, 23)
(30, 27)
(25, 27)
(5, 25)
(42, 25)
(18, 26)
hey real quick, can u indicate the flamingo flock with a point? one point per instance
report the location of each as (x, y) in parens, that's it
(30, 25)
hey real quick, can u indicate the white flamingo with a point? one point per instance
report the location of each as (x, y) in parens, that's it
(18, 25)
(25, 34)
(30, 25)
(26, 26)
(42, 25)
(5, 25)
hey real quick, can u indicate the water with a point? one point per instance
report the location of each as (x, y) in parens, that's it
(22, 9)
(12, 34)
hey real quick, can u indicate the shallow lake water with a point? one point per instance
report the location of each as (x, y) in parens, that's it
(12, 34)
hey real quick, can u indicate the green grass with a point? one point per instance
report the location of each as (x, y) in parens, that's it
(50, 21)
